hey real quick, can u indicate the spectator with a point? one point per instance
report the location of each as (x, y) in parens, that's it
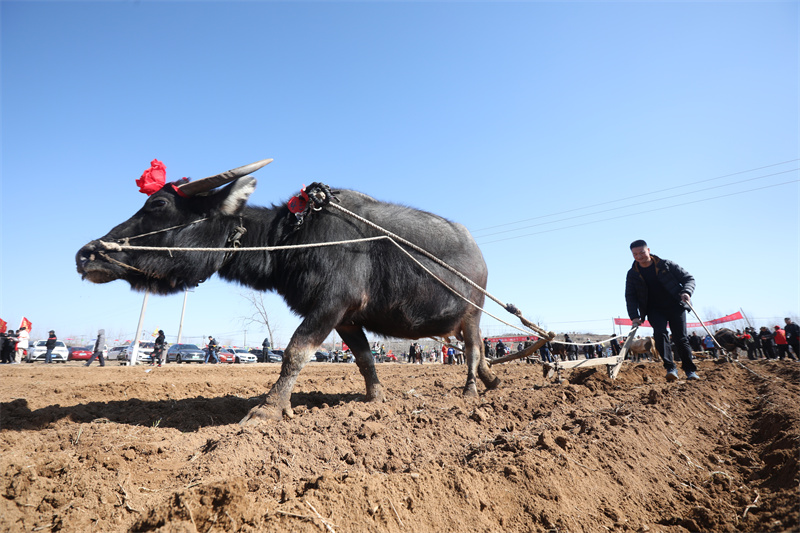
(99, 345)
(588, 351)
(710, 347)
(212, 352)
(695, 342)
(792, 336)
(158, 349)
(23, 336)
(487, 348)
(661, 290)
(782, 345)
(545, 353)
(265, 346)
(615, 349)
(767, 342)
(49, 345)
(757, 343)
(528, 343)
(11, 344)
(572, 348)
(750, 343)
(451, 355)
(500, 349)
(5, 349)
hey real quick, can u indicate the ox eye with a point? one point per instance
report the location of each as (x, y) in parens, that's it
(158, 203)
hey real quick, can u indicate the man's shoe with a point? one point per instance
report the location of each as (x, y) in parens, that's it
(672, 375)
(692, 376)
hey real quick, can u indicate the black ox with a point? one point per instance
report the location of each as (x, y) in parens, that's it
(730, 341)
(368, 285)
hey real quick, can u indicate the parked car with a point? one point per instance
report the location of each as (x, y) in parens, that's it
(36, 351)
(145, 349)
(236, 355)
(78, 353)
(117, 352)
(226, 355)
(243, 356)
(322, 356)
(185, 353)
(272, 357)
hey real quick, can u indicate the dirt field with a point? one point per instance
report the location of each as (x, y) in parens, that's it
(127, 449)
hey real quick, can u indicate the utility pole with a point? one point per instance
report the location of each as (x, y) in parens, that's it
(183, 312)
(135, 351)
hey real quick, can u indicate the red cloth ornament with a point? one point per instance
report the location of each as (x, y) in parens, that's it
(297, 204)
(153, 178)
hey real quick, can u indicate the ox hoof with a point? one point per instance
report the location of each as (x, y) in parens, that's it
(492, 384)
(265, 413)
(376, 395)
(470, 390)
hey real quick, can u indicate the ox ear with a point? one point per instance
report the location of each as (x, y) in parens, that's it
(234, 197)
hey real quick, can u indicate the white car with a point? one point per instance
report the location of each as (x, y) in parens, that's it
(37, 349)
(145, 349)
(240, 355)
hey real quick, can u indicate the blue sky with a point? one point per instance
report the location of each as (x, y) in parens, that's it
(556, 132)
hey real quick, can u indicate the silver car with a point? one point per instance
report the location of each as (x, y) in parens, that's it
(117, 352)
(185, 353)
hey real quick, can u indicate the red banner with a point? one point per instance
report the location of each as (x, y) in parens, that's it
(729, 318)
(25, 323)
(3, 326)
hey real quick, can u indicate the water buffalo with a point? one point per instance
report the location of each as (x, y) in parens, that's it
(730, 341)
(369, 285)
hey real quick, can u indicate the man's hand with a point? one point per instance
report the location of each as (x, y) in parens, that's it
(636, 322)
(685, 298)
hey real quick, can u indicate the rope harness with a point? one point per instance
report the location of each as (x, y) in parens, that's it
(314, 197)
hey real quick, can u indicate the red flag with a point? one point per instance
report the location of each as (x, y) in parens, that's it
(25, 323)
(3, 326)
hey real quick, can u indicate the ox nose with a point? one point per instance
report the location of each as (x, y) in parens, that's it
(86, 254)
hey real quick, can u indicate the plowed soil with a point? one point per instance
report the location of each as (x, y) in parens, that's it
(160, 449)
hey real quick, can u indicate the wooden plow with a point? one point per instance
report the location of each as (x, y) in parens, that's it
(614, 363)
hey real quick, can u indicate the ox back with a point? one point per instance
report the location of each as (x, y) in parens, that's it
(350, 287)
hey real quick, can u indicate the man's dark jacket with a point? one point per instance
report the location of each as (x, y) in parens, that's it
(674, 279)
(792, 332)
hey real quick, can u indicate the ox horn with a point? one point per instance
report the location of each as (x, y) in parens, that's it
(212, 182)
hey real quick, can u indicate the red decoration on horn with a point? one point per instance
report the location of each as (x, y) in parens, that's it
(153, 178)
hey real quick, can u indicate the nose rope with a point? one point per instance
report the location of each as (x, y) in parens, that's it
(120, 263)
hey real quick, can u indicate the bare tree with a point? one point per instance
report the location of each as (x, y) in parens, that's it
(259, 312)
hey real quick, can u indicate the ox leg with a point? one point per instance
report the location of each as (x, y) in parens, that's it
(354, 337)
(476, 358)
(307, 337)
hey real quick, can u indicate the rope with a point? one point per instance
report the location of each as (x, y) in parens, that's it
(441, 263)
(114, 247)
(392, 237)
